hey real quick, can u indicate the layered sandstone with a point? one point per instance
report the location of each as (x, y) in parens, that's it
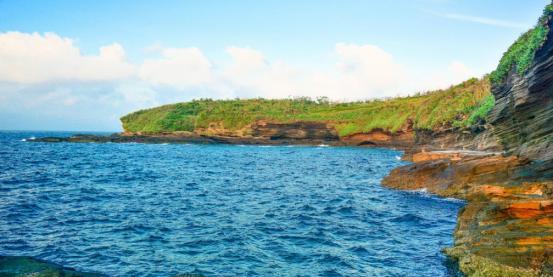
(506, 228)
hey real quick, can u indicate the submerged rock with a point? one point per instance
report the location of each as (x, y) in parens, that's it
(11, 266)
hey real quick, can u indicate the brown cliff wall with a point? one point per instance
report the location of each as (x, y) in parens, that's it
(300, 130)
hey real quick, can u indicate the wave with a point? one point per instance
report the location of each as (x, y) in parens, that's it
(27, 139)
(408, 218)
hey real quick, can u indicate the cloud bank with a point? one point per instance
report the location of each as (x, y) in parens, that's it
(48, 78)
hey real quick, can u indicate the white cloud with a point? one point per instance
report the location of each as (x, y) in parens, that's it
(367, 71)
(178, 67)
(459, 72)
(455, 72)
(35, 58)
(361, 71)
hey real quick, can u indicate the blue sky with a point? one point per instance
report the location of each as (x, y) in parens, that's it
(158, 52)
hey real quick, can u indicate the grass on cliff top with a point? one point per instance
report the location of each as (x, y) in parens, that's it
(521, 53)
(458, 106)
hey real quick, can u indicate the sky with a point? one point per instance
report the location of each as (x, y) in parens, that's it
(81, 65)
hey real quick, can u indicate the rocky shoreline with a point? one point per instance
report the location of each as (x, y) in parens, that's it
(506, 228)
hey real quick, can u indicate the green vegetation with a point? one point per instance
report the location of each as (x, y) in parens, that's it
(485, 106)
(521, 53)
(457, 106)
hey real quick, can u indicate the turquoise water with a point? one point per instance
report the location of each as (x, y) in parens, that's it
(161, 210)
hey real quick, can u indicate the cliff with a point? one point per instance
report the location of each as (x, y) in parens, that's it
(523, 114)
(457, 107)
(506, 228)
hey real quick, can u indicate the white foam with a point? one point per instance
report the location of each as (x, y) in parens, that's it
(323, 145)
(451, 199)
(24, 140)
(421, 190)
(398, 158)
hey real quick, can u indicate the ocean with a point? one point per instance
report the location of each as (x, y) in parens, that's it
(217, 210)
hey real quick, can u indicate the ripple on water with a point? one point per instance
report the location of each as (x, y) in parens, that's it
(160, 210)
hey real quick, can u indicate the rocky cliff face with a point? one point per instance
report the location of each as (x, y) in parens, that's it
(506, 228)
(300, 130)
(522, 118)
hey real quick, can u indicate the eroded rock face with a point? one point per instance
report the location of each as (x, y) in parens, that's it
(523, 114)
(294, 130)
(506, 228)
(482, 140)
(506, 231)
(452, 174)
(381, 138)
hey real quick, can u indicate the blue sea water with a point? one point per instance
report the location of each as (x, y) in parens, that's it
(161, 210)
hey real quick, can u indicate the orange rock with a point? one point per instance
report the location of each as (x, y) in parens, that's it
(534, 189)
(546, 221)
(429, 156)
(530, 205)
(492, 190)
(535, 241)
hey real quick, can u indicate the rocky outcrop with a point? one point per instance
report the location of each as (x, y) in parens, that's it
(506, 228)
(381, 138)
(522, 118)
(481, 139)
(300, 130)
(453, 174)
(506, 231)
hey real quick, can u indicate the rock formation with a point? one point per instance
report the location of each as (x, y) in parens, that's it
(522, 118)
(506, 228)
